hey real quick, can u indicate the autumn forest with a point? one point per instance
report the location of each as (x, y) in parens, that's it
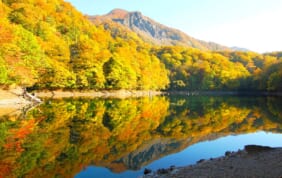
(48, 44)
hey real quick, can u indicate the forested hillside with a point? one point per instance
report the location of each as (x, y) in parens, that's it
(192, 69)
(50, 45)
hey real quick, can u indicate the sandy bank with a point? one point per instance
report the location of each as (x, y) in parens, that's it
(11, 101)
(95, 94)
(253, 161)
(12, 98)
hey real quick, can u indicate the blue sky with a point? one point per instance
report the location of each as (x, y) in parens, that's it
(252, 24)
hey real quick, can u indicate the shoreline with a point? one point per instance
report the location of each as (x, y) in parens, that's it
(253, 161)
(14, 97)
(145, 93)
(97, 94)
(225, 93)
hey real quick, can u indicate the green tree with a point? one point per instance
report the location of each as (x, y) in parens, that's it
(3, 72)
(274, 82)
(118, 76)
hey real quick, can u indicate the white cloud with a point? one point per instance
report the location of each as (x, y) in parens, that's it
(259, 33)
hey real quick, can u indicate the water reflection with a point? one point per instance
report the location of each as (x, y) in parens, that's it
(62, 137)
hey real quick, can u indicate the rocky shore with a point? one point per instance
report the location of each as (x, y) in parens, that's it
(254, 161)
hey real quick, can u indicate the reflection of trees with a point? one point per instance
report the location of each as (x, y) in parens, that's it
(61, 137)
(199, 117)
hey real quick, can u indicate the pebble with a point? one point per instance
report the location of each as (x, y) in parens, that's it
(147, 171)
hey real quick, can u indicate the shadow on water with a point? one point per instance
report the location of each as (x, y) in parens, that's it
(62, 137)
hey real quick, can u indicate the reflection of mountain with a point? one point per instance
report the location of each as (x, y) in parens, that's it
(62, 136)
(147, 153)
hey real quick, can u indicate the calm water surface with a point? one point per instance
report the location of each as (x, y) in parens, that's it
(120, 138)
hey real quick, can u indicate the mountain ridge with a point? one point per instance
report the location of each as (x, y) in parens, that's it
(154, 32)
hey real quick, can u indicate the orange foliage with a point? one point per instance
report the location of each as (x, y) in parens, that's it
(17, 136)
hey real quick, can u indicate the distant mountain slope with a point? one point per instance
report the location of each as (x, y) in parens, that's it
(235, 48)
(154, 32)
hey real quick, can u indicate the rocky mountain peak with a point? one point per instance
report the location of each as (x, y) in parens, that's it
(154, 32)
(118, 13)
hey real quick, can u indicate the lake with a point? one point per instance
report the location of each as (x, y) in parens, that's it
(121, 137)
